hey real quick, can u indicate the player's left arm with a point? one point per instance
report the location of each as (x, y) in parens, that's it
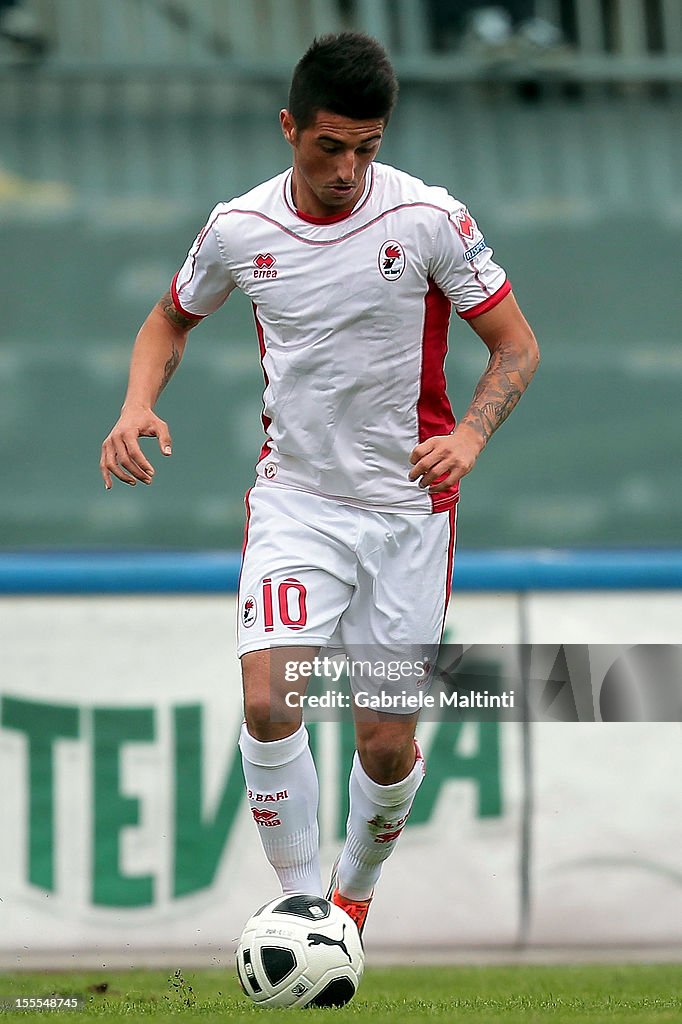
(514, 358)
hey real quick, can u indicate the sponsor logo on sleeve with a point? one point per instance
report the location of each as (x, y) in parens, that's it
(465, 224)
(467, 229)
(471, 253)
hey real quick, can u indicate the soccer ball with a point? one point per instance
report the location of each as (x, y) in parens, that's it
(300, 950)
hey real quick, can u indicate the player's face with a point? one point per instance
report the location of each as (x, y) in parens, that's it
(331, 157)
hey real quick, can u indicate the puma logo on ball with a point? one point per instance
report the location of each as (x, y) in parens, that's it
(315, 939)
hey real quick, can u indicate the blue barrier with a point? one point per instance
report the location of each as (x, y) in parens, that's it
(212, 572)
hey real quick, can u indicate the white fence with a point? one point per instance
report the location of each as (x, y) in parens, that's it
(124, 829)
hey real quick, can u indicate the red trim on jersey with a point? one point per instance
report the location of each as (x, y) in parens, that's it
(472, 266)
(323, 220)
(178, 305)
(451, 559)
(479, 280)
(266, 421)
(334, 217)
(247, 505)
(434, 414)
(487, 304)
(198, 242)
(341, 238)
(245, 541)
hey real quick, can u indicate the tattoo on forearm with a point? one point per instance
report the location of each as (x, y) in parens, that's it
(174, 315)
(170, 368)
(507, 376)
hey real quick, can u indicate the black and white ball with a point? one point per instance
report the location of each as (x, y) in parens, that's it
(300, 950)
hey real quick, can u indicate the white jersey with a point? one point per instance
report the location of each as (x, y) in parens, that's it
(352, 315)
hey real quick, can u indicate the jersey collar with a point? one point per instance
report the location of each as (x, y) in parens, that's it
(335, 217)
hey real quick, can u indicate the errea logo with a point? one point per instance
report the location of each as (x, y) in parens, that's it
(467, 228)
(391, 260)
(264, 262)
(266, 818)
(466, 224)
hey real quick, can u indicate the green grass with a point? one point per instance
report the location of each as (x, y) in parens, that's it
(595, 994)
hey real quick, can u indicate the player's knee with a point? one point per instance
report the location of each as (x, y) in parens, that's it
(385, 759)
(268, 712)
(257, 717)
(267, 717)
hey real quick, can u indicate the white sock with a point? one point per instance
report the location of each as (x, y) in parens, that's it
(376, 819)
(283, 793)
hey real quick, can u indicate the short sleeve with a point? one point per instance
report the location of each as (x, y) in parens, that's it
(462, 265)
(204, 281)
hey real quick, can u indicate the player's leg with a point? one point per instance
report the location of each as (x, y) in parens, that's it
(292, 590)
(387, 770)
(281, 780)
(395, 619)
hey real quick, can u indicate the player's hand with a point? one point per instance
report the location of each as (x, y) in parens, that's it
(439, 462)
(122, 456)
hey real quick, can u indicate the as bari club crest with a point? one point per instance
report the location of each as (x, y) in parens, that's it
(391, 260)
(249, 611)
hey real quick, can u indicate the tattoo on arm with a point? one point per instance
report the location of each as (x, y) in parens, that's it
(170, 368)
(177, 319)
(506, 377)
(175, 316)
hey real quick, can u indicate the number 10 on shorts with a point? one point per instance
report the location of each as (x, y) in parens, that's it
(291, 598)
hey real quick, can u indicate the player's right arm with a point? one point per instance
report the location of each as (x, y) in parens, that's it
(200, 286)
(157, 352)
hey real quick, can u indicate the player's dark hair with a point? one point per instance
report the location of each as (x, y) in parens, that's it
(348, 74)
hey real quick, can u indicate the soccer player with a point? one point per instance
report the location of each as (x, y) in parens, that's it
(352, 267)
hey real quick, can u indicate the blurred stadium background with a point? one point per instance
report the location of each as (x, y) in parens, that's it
(122, 122)
(125, 122)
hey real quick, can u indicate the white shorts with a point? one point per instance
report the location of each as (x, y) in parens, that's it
(319, 573)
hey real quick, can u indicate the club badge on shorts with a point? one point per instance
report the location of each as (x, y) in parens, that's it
(249, 611)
